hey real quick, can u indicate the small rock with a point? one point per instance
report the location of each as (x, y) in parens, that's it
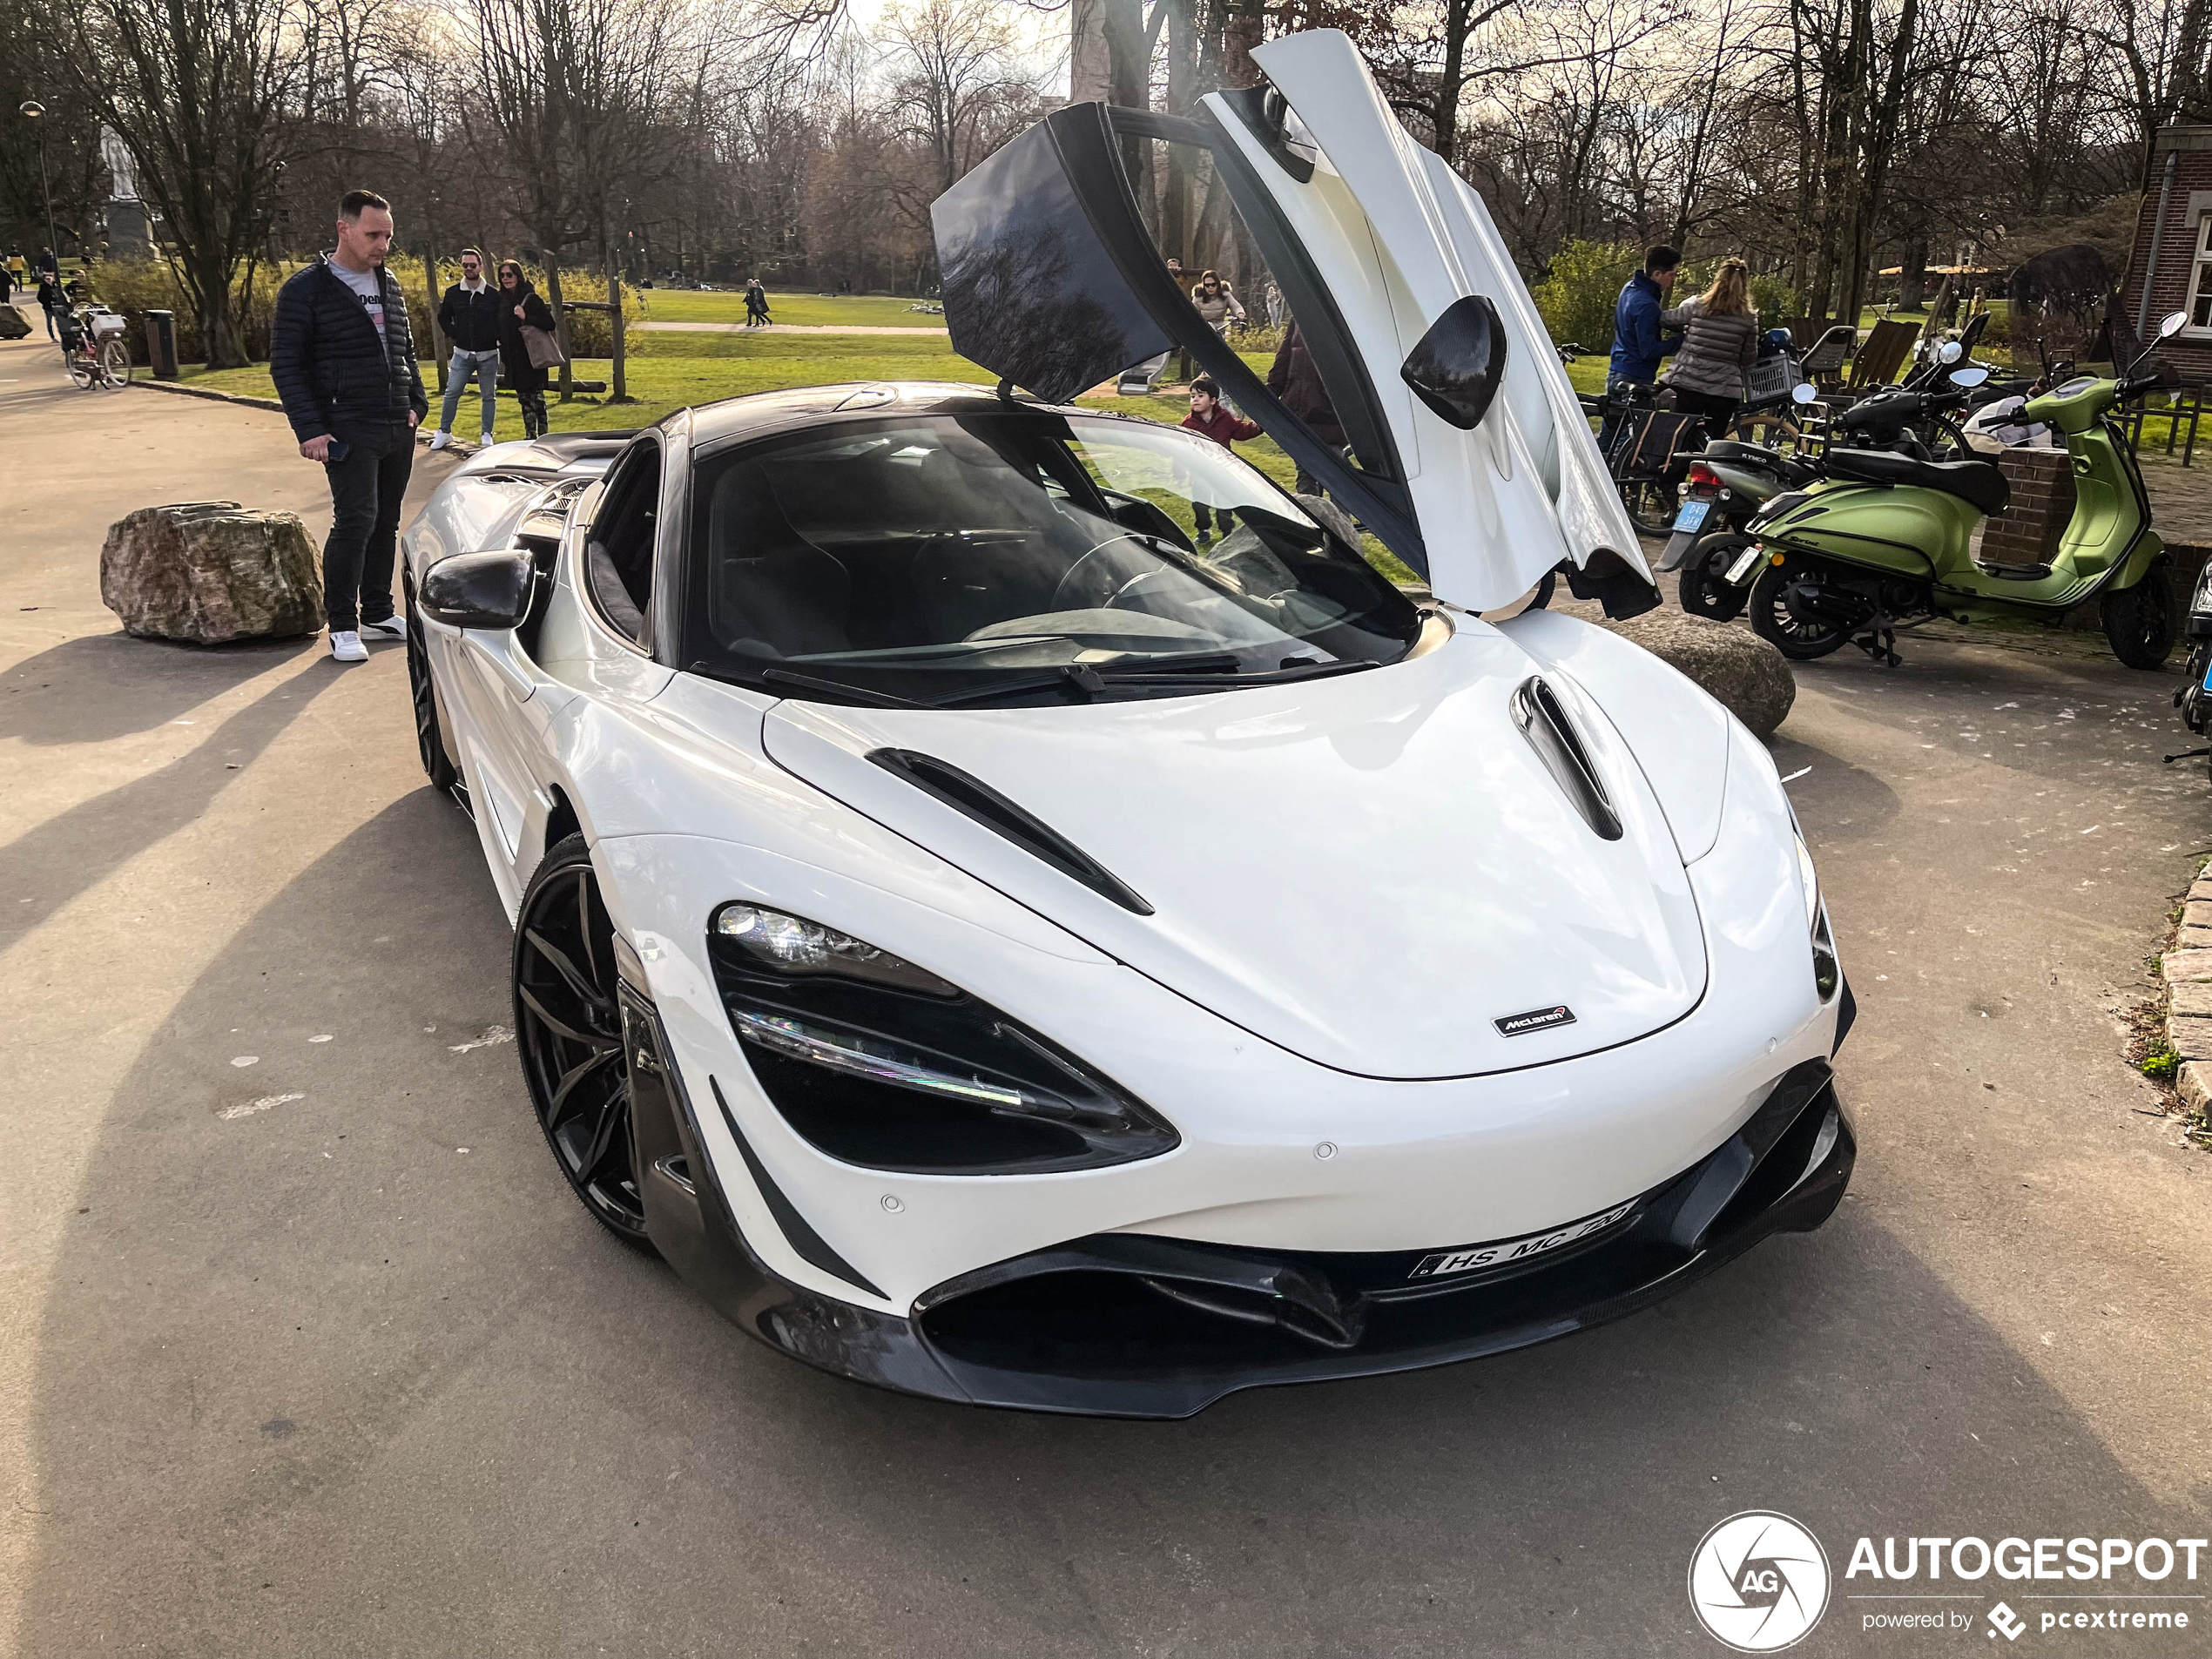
(210, 572)
(2190, 1036)
(2191, 997)
(1747, 674)
(2179, 966)
(2195, 1081)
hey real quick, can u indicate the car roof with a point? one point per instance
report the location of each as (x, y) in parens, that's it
(757, 415)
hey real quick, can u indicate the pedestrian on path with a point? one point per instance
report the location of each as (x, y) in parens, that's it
(520, 307)
(50, 300)
(469, 315)
(342, 356)
(1209, 418)
(18, 275)
(756, 305)
(1712, 372)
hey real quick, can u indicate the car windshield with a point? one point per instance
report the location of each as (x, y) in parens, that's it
(1019, 555)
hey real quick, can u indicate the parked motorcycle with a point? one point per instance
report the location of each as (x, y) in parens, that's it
(1886, 540)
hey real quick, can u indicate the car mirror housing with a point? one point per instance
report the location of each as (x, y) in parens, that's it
(1460, 362)
(488, 589)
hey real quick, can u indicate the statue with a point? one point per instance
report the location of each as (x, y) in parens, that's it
(119, 164)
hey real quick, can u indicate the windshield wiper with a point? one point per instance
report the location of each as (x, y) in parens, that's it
(857, 693)
(1090, 679)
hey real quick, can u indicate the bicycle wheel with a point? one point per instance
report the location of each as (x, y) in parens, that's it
(1650, 504)
(115, 364)
(81, 368)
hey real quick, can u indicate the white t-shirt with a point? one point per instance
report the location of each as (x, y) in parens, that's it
(364, 284)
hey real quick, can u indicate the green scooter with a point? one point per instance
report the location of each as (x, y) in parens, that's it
(1887, 541)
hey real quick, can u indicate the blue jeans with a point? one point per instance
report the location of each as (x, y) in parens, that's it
(479, 365)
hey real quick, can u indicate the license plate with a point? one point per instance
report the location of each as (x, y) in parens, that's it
(1518, 1250)
(1692, 516)
(2208, 675)
(1745, 562)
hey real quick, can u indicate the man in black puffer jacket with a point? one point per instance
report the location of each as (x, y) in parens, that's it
(343, 360)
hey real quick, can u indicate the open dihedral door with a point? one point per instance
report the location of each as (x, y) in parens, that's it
(1465, 451)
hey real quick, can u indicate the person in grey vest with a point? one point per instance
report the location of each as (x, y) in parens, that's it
(468, 316)
(1711, 373)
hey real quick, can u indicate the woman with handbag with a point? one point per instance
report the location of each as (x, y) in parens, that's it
(528, 346)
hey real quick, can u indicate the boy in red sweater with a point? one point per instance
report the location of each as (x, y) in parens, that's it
(1208, 420)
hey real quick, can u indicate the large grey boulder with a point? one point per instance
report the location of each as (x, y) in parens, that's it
(209, 571)
(1734, 664)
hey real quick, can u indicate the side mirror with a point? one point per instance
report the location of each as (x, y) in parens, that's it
(1950, 352)
(489, 589)
(1804, 393)
(1964, 377)
(2172, 324)
(1460, 362)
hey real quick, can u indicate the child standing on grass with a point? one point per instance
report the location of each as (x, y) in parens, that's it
(1210, 420)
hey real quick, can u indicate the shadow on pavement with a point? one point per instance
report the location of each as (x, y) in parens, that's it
(348, 1370)
(44, 868)
(99, 686)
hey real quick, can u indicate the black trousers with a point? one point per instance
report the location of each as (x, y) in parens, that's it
(1718, 411)
(1204, 516)
(365, 490)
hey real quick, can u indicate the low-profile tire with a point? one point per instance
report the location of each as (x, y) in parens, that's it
(429, 726)
(568, 1030)
(1701, 587)
(1800, 642)
(2138, 620)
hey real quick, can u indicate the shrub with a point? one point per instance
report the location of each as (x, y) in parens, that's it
(1578, 293)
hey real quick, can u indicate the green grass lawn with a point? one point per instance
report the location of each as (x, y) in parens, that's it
(812, 310)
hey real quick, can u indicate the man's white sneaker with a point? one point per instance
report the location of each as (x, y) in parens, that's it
(346, 646)
(487, 441)
(442, 439)
(393, 627)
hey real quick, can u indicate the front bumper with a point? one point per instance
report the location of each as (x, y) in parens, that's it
(1129, 1325)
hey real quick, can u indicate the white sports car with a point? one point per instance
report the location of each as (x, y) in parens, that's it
(1001, 942)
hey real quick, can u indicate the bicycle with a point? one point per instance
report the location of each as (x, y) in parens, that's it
(93, 348)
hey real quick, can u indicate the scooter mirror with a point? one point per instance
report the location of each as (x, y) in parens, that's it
(1950, 351)
(1964, 377)
(2172, 324)
(1805, 392)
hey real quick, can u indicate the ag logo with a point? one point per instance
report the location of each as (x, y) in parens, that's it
(1758, 1582)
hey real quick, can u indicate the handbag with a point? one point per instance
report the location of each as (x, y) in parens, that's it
(544, 350)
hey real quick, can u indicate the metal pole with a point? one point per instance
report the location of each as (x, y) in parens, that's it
(2157, 234)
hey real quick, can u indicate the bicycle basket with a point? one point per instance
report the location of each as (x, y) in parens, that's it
(105, 323)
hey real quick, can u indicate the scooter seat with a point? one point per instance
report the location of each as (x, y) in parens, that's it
(1977, 483)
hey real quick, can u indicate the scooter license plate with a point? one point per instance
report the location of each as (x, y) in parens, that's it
(1692, 516)
(1745, 563)
(2208, 675)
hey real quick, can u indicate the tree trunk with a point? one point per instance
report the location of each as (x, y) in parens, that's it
(619, 388)
(440, 345)
(1912, 277)
(560, 325)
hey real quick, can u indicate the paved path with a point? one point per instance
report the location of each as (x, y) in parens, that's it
(777, 328)
(315, 1354)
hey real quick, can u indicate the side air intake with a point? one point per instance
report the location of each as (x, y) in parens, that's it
(1536, 711)
(971, 796)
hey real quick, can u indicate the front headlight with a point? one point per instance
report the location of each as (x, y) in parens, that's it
(1827, 971)
(876, 1061)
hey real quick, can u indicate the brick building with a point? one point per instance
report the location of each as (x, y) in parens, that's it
(2173, 252)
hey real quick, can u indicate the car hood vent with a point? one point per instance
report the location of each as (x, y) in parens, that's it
(971, 795)
(1536, 711)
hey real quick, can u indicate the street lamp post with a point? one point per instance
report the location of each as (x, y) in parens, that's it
(32, 111)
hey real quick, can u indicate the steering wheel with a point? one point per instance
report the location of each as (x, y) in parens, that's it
(1068, 595)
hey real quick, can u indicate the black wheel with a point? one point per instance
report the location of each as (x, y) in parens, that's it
(1772, 620)
(568, 1027)
(429, 730)
(1650, 504)
(2138, 620)
(1703, 586)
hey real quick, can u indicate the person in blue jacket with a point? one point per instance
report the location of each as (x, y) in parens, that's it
(1638, 343)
